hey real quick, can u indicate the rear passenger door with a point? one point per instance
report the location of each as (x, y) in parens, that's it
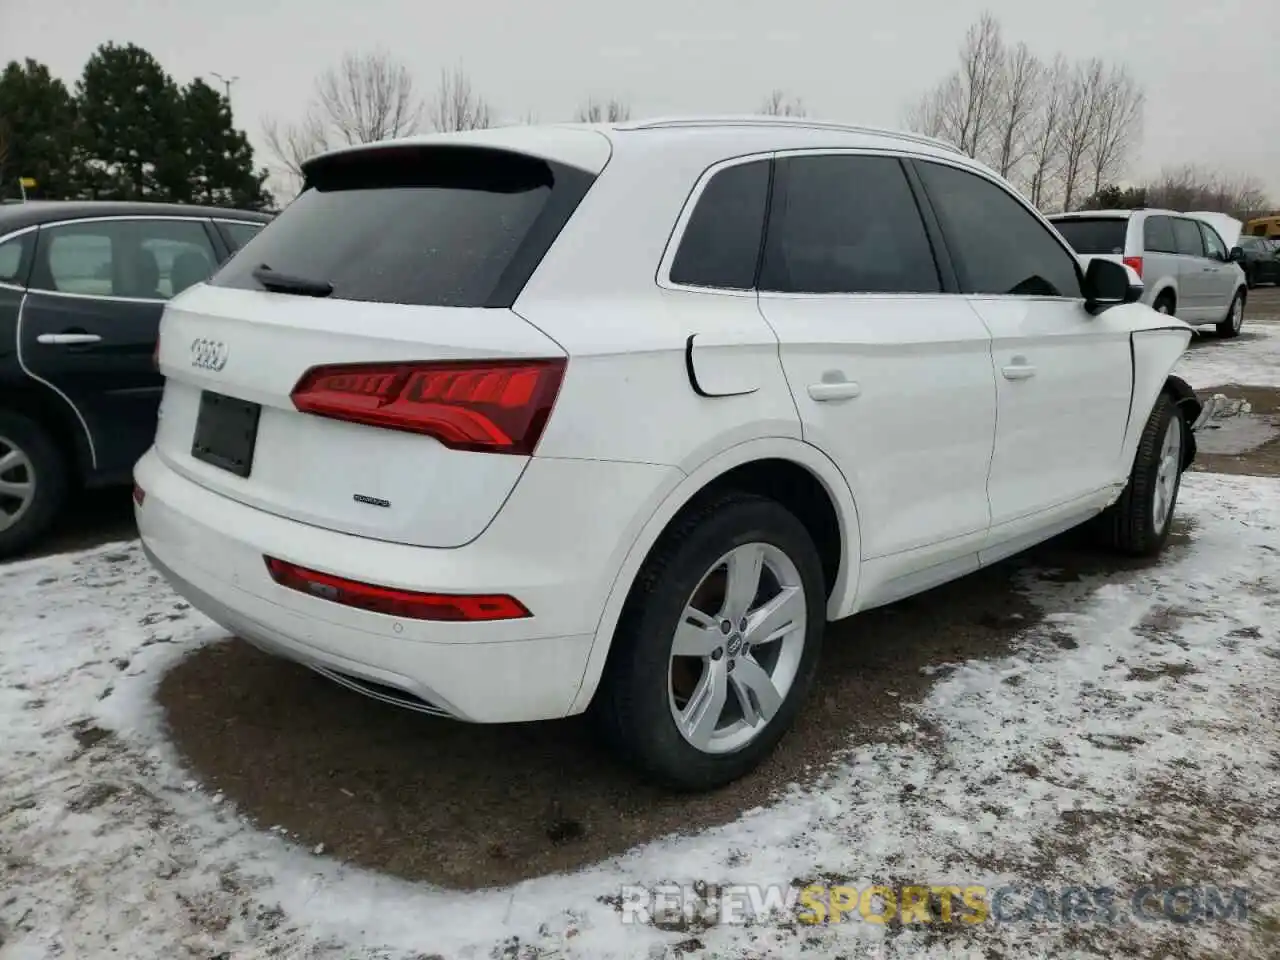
(1195, 284)
(91, 317)
(891, 373)
(1160, 260)
(1063, 375)
(1223, 276)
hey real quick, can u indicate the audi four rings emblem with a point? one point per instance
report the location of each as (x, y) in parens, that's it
(209, 354)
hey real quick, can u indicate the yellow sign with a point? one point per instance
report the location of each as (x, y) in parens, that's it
(28, 183)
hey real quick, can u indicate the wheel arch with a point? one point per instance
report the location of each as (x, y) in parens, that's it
(762, 466)
(1156, 352)
(40, 404)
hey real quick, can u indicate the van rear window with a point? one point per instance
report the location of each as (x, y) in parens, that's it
(1094, 236)
(447, 226)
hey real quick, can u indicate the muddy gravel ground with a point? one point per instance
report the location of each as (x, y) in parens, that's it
(468, 806)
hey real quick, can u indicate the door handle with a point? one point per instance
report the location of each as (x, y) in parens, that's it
(68, 339)
(1019, 370)
(829, 390)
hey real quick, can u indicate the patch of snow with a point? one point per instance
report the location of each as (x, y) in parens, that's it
(1167, 687)
(1251, 359)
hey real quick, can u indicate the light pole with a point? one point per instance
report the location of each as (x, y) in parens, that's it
(226, 82)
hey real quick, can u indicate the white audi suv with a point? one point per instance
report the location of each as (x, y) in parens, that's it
(511, 424)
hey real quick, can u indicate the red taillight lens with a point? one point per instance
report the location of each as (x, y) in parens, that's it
(396, 603)
(139, 495)
(1135, 263)
(500, 406)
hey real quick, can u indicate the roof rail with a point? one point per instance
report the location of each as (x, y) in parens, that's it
(752, 120)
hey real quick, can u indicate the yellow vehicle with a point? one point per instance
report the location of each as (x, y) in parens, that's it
(1263, 227)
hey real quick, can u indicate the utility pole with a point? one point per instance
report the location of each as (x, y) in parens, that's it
(226, 82)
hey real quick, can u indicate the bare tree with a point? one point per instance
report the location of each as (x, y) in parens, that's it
(1117, 124)
(1018, 87)
(1195, 188)
(1079, 126)
(780, 104)
(365, 98)
(291, 145)
(457, 106)
(963, 107)
(1044, 133)
(612, 110)
(368, 97)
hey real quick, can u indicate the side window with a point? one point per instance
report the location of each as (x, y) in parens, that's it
(846, 224)
(1213, 243)
(237, 234)
(998, 244)
(1187, 237)
(13, 258)
(1157, 235)
(147, 259)
(721, 242)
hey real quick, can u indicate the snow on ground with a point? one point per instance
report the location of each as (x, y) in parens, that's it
(1131, 735)
(1253, 358)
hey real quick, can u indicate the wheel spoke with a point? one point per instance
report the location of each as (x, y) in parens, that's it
(744, 566)
(756, 693)
(701, 715)
(10, 460)
(775, 618)
(697, 635)
(15, 489)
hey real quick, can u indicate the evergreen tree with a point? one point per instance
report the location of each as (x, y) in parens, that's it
(130, 135)
(37, 119)
(218, 158)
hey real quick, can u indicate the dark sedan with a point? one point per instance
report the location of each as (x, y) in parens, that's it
(82, 288)
(1261, 262)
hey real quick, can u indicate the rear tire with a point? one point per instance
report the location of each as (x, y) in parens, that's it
(1164, 304)
(33, 482)
(1139, 522)
(1234, 320)
(703, 718)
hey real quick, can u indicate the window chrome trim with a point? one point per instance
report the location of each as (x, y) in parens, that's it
(22, 364)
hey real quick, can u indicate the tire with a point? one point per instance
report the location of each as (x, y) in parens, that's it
(1138, 524)
(28, 457)
(646, 685)
(1234, 320)
(1164, 304)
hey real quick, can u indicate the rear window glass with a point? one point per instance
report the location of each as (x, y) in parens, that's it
(1094, 236)
(443, 226)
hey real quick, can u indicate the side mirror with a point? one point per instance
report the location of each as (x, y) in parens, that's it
(1107, 284)
(1236, 255)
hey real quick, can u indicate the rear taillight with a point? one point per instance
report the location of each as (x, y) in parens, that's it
(499, 406)
(396, 603)
(1135, 263)
(139, 495)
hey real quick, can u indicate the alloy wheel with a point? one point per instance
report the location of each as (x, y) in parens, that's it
(1167, 473)
(737, 649)
(17, 483)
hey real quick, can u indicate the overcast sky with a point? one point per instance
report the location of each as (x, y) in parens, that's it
(1211, 68)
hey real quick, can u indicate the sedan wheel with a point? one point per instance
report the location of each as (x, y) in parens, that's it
(17, 483)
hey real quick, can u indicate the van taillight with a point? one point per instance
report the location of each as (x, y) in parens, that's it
(1135, 263)
(498, 406)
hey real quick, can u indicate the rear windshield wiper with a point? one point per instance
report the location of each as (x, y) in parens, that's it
(287, 283)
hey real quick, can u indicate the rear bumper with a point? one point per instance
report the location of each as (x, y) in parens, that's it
(555, 546)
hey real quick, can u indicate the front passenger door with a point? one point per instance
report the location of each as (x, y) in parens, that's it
(91, 318)
(1063, 375)
(1223, 275)
(891, 373)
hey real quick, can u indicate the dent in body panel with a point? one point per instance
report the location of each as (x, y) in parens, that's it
(1156, 349)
